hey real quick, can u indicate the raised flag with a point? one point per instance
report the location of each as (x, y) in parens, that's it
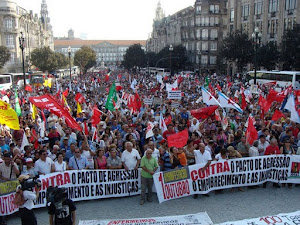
(217, 115)
(149, 131)
(17, 104)
(33, 111)
(277, 115)
(66, 92)
(162, 124)
(208, 98)
(95, 119)
(79, 110)
(204, 113)
(79, 98)
(226, 102)
(168, 120)
(24, 142)
(112, 98)
(276, 96)
(206, 84)
(8, 116)
(133, 84)
(28, 88)
(251, 132)
(174, 86)
(290, 105)
(264, 104)
(178, 140)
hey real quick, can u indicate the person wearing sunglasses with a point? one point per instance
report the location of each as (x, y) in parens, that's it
(78, 162)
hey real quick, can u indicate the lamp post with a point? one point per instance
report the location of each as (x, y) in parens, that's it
(22, 46)
(69, 52)
(256, 36)
(170, 50)
(199, 57)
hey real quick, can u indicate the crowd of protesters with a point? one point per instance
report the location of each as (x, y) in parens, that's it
(119, 140)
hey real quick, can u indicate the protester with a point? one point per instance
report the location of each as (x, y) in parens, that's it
(78, 162)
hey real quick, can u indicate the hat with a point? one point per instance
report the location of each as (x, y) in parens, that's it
(66, 138)
(162, 141)
(27, 128)
(21, 178)
(230, 148)
(29, 160)
(53, 127)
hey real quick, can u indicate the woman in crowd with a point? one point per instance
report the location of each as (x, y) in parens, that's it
(60, 165)
(100, 161)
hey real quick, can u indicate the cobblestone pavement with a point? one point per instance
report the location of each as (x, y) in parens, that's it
(229, 206)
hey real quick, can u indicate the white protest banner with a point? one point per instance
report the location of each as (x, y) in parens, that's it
(148, 101)
(82, 185)
(175, 105)
(280, 219)
(174, 94)
(198, 218)
(157, 101)
(226, 174)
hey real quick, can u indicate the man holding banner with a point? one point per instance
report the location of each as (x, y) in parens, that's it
(149, 166)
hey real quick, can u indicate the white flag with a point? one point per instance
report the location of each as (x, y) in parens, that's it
(290, 105)
(208, 98)
(133, 84)
(170, 87)
(24, 142)
(162, 124)
(149, 131)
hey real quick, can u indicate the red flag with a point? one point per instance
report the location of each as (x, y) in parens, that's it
(264, 104)
(120, 76)
(138, 102)
(218, 87)
(168, 120)
(118, 87)
(204, 113)
(212, 91)
(277, 115)
(178, 140)
(180, 79)
(107, 77)
(251, 132)
(95, 120)
(51, 104)
(86, 130)
(276, 96)
(34, 136)
(217, 115)
(28, 88)
(66, 92)
(229, 84)
(244, 103)
(79, 98)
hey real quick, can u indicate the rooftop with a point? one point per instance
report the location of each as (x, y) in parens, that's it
(80, 42)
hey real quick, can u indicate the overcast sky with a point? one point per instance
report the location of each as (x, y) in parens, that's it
(104, 19)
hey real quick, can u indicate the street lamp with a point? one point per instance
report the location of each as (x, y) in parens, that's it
(199, 57)
(170, 50)
(69, 52)
(22, 46)
(256, 36)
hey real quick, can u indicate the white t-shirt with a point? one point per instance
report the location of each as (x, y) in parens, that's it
(202, 159)
(130, 158)
(253, 151)
(60, 167)
(155, 154)
(44, 167)
(29, 197)
(219, 158)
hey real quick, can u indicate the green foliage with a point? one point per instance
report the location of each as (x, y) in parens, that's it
(4, 56)
(268, 55)
(151, 58)
(237, 48)
(85, 58)
(134, 57)
(47, 60)
(290, 49)
(178, 60)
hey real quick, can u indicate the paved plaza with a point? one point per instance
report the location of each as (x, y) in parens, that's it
(220, 207)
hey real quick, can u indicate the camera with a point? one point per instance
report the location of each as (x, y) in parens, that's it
(56, 194)
(30, 183)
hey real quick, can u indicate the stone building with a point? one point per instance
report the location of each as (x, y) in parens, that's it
(36, 30)
(198, 28)
(109, 52)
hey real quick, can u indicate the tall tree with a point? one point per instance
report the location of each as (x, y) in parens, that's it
(290, 49)
(85, 58)
(134, 57)
(268, 55)
(62, 60)
(151, 58)
(237, 48)
(4, 56)
(44, 59)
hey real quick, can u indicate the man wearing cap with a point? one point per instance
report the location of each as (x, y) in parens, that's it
(9, 169)
(26, 213)
(28, 168)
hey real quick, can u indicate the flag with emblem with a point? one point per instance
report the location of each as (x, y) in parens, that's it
(208, 98)
(226, 102)
(112, 98)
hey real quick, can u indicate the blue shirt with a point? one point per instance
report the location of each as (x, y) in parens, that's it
(78, 164)
(5, 147)
(167, 163)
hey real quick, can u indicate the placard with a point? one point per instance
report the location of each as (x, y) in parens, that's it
(148, 101)
(174, 94)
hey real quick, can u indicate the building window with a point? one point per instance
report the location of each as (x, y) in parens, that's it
(214, 8)
(290, 4)
(231, 15)
(213, 34)
(204, 46)
(206, 21)
(273, 5)
(258, 8)
(9, 40)
(212, 21)
(204, 59)
(8, 23)
(198, 33)
(213, 60)
(205, 34)
(245, 11)
(198, 9)
(198, 45)
(213, 46)
(198, 20)
(216, 20)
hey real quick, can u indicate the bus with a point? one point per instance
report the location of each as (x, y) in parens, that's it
(37, 78)
(5, 82)
(282, 79)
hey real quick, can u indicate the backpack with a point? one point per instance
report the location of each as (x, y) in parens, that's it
(19, 198)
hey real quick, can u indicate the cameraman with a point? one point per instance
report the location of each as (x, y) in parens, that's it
(62, 211)
(26, 213)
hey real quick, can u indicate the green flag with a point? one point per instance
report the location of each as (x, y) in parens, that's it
(17, 104)
(206, 84)
(112, 98)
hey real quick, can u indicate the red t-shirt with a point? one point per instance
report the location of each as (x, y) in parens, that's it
(270, 150)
